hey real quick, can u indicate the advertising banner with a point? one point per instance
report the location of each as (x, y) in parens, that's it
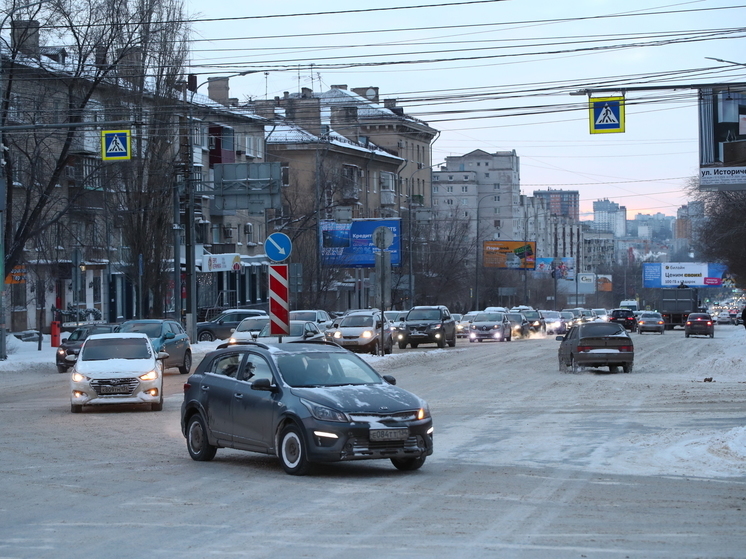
(221, 262)
(722, 138)
(563, 268)
(603, 283)
(691, 274)
(513, 255)
(351, 245)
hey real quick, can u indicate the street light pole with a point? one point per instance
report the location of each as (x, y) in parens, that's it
(477, 256)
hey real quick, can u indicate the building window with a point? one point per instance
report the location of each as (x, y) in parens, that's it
(449, 201)
(464, 201)
(496, 187)
(387, 181)
(449, 189)
(248, 229)
(435, 189)
(497, 198)
(478, 163)
(466, 177)
(464, 189)
(436, 177)
(486, 175)
(450, 177)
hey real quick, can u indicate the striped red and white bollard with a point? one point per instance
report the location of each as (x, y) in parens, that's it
(279, 300)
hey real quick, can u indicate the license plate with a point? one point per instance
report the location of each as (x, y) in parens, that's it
(124, 389)
(389, 434)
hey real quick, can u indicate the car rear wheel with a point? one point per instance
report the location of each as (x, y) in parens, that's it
(627, 367)
(574, 365)
(197, 444)
(408, 464)
(293, 452)
(206, 336)
(686, 334)
(187, 365)
(562, 366)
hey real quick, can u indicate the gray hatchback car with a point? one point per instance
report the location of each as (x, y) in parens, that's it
(305, 403)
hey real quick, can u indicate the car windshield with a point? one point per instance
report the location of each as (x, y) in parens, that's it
(697, 316)
(116, 348)
(303, 315)
(78, 335)
(597, 329)
(489, 317)
(551, 314)
(360, 320)
(531, 315)
(151, 329)
(514, 317)
(252, 324)
(650, 315)
(318, 369)
(567, 315)
(296, 330)
(424, 314)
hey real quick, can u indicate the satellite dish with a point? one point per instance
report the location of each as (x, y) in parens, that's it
(370, 94)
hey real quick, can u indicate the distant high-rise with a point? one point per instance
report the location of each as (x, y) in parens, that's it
(565, 203)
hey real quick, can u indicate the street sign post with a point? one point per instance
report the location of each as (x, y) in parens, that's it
(115, 145)
(606, 115)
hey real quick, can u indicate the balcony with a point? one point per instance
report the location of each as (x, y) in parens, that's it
(388, 197)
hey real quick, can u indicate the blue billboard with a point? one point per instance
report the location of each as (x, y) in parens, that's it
(690, 274)
(350, 245)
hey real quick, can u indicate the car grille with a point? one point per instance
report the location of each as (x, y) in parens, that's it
(115, 387)
(389, 419)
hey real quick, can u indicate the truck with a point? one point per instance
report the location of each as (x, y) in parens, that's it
(675, 304)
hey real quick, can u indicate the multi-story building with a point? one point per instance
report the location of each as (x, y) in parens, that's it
(563, 203)
(610, 216)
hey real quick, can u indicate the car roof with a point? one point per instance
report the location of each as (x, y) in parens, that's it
(117, 336)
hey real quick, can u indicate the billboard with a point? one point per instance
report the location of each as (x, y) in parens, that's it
(563, 268)
(691, 274)
(513, 255)
(722, 137)
(350, 245)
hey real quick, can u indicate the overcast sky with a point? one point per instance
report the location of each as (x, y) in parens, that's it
(497, 75)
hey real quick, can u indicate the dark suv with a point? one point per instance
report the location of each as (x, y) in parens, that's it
(625, 317)
(427, 325)
(71, 345)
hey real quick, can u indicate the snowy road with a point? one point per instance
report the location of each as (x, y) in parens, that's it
(529, 462)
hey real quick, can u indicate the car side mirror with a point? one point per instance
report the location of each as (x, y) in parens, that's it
(71, 358)
(263, 384)
(389, 379)
(63, 340)
(233, 330)
(559, 338)
(169, 336)
(162, 355)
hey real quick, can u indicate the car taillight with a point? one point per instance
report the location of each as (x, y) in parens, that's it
(688, 322)
(709, 323)
(187, 386)
(584, 348)
(625, 348)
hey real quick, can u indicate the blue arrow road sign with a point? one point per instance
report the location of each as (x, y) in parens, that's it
(278, 246)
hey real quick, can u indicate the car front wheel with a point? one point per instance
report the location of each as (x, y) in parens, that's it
(199, 447)
(408, 464)
(402, 345)
(293, 452)
(206, 336)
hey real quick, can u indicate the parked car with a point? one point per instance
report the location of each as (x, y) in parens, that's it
(71, 344)
(166, 336)
(519, 325)
(300, 330)
(428, 325)
(320, 317)
(699, 324)
(248, 329)
(304, 403)
(116, 368)
(651, 322)
(554, 322)
(724, 318)
(462, 326)
(625, 317)
(221, 327)
(361, 331)
(490, 326)
(596, 344)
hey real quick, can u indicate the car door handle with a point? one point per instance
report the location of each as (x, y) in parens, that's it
(205, 388)
(238, 395)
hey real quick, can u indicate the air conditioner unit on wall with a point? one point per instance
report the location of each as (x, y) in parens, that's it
(228, 232)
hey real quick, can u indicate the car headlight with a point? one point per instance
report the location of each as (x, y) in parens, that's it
(366, 334)
(232, 340)
(337, 335)
(435, 326)
(423, 412)
(323, 413)
(152, 375)
(77, 377)
(61, 351)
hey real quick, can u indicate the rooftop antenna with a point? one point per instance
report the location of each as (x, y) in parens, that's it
(266, 75)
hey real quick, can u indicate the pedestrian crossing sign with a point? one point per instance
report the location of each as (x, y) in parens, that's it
(115, 145)
(606, 115)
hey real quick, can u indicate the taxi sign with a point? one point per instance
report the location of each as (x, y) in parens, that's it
(606, 114)
(115, 145)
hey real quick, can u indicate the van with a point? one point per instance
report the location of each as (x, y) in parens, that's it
(630, 304)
